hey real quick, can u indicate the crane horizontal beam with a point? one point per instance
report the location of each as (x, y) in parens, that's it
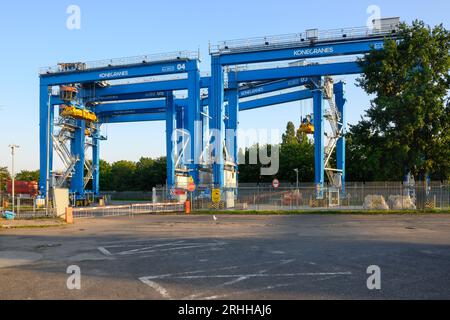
(276, 99)
(303, 52)
(336, 69)
(117, 73)
(155, 110)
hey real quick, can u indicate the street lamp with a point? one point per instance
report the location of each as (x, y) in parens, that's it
(296, 171)
(13, 175)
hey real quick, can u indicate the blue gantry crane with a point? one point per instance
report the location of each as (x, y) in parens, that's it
(314, 54)
(95, 93)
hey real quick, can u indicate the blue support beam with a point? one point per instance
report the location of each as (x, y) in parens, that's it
(319, 143)
(272, 87)
(78, 151)
(303, 52)
(129, 96)
(339, 90)
(217, 123)
(133, 118)
(276, 99)
(121, 72)
(194, 124)
(135, 88)
(137, 107)
(96, 161)
(341, 68)
(149, 108)
(170, 143)
(46, 115)
(231, 125)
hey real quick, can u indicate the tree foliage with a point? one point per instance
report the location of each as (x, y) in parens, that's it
(296, 152)
(131, 176)
(4, 177)
(28, 176)
(406, 128)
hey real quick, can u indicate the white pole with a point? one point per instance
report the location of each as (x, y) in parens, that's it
(47, 178)
(13, 175)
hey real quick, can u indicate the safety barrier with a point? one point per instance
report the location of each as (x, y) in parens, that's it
(128, 210)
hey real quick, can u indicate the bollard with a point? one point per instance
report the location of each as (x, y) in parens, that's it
(69, 215)
(188, 207)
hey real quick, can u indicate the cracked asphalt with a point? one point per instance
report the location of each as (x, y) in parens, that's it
(236, 257)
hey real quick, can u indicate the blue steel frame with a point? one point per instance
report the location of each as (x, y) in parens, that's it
(160, 105)
(162, 89)
(219, 60)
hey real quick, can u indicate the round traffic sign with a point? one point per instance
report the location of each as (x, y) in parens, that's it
(276, 183)
(192, 187)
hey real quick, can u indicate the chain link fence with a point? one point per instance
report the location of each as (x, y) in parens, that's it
(357, 196)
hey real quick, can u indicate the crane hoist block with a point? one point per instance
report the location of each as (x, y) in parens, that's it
(307, 125)
(80, 114)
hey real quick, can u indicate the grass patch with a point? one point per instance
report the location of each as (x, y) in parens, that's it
(323, 212)
(32, 227)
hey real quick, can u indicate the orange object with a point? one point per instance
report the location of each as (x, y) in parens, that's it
(69, 215)
(188, 207)
(69, 89)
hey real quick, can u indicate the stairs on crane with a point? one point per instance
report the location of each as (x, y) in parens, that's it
(334, 118)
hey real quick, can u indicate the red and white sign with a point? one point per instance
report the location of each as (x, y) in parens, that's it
(180, 192)
(192, 187)
(276, 183)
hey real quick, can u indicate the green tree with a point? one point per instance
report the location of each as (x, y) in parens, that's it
(105, 176)
(123, 176)
(150, 173)
(4, 177)
(29, 176)
(407, 125)
(290, 137)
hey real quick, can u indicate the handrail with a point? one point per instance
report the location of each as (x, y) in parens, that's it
(152, 58)
(300, 39)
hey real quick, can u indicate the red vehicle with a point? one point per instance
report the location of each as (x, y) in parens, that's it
(23, 187)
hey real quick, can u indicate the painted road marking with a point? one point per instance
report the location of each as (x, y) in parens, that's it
(161, 290)
(104, 251)
(157, 248)
(233, 279)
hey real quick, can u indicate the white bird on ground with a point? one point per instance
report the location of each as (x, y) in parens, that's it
(215, 218)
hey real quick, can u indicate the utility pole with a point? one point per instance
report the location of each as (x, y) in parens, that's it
(296, 171)
(13, 174)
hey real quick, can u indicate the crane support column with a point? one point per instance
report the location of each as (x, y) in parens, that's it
(232, 124)
(340, 151)
(194, 123)
(319, 143)
(217, 124)
(96, 162)
(170, 129)
(46, 116)
(78, 151)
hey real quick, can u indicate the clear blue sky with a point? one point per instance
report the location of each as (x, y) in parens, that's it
(34, 34)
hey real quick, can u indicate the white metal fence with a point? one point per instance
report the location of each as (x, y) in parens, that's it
(128, 210)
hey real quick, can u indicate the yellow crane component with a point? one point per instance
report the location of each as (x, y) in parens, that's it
(72, 112)
(307, 125)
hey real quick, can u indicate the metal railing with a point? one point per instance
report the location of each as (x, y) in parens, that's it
(299, 39)
(128, 210)
(152, 58)
(383, 196)
(25, 208)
